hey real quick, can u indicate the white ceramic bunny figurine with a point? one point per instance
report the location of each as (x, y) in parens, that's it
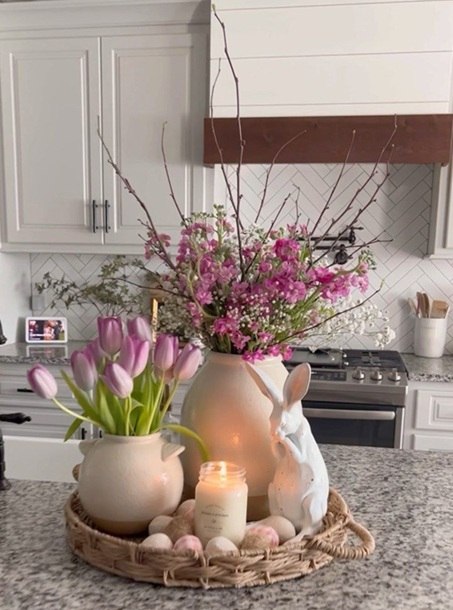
(300, 487)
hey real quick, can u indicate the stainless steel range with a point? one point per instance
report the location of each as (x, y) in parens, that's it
(356, 397)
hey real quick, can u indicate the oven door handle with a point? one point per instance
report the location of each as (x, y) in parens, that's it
(349, 414)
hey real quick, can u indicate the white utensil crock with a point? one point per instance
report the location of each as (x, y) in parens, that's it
(430, 336)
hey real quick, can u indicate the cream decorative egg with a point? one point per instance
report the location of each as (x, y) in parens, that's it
(283, 526)
(158, 541)
(158, 524)
(186, 509)
(220, 544)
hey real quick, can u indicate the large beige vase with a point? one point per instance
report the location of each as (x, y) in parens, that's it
(226, 408)
(126, 481)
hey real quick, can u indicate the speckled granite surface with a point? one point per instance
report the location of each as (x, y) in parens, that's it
(429, 369)
(17, 353)
(405, 498)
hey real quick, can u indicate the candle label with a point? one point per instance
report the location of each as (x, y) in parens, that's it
(214, 519)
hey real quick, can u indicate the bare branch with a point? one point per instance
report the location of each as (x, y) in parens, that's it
(268, 173)
(162, 251)
(335, 186)
(167, 174)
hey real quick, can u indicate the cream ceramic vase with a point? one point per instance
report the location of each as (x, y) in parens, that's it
(226, 408)
(126, 481)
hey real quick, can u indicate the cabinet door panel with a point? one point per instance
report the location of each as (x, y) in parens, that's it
(434, 410)
(50, 104)
(148, 81)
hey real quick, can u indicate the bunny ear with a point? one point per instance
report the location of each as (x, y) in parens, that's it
(265, 384)
(296, 384)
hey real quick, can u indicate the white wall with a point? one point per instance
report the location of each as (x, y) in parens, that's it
(15, 294)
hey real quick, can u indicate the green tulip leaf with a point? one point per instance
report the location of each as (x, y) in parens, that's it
(72, 429)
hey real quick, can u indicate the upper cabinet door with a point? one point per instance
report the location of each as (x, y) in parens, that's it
(50, 104)
(149, 81)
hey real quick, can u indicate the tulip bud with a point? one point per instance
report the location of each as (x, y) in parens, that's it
(84, 369)
(42, 382)
(94, 350)
(165, 352)
(118, 381)
(187, 362)
(140, 327)
(134, 355)
(110, 331)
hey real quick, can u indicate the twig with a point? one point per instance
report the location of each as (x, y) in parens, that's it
(167, 174)
(241, 141)
(162, 253)
(337, 182)
(268, 173)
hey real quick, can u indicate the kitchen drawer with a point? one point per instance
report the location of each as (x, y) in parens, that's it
(433, 410)
(18, 386)
(431, 442)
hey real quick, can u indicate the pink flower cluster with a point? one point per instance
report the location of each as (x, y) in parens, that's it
(251, 293)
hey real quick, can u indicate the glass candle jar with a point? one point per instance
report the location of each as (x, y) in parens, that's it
(221, 502)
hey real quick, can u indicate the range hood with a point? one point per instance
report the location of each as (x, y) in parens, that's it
(419, 138)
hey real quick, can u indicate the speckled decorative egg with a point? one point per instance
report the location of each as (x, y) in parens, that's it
(188, 543)
(179, 526)
(186, 509)
(158, 541)
(158, 524)
(283, 526)
(260, 537)
(220, 544)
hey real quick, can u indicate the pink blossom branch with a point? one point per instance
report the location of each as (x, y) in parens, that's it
(301, 333)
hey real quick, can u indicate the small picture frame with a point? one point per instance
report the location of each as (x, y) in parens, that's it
(46, 330)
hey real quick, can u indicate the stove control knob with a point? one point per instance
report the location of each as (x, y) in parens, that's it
(376, 375)
(394, 375)
(358, 374)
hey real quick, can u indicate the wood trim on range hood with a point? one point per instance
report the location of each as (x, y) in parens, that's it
(419, 138)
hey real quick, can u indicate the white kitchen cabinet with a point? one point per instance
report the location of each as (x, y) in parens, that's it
(429, 416)
(47, 420)
(58, 86)
(440, 244)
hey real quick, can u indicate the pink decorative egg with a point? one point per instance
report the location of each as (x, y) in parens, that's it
(188, 543)
(266, 532)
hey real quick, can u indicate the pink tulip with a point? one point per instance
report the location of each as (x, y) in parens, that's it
(84, 369)
(187, 362)
(165, 352)
(95, 351)
(134, 355)
(42, 382)
(140, 327)
(110, 331)
(118, 381)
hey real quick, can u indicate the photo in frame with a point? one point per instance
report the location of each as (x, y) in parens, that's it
(46, 330)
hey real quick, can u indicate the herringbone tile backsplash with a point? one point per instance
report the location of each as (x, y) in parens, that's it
(400, 216)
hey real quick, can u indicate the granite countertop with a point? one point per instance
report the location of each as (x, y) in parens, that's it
(405, 498)
(420, 369)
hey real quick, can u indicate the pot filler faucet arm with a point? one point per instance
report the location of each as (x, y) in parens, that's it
(15, 418)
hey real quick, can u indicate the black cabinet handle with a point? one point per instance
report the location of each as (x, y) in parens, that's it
(94, 206)
(83, 433)
(107, 227)
(25, 390)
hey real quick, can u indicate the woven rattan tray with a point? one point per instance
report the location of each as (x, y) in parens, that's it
(124, 555)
